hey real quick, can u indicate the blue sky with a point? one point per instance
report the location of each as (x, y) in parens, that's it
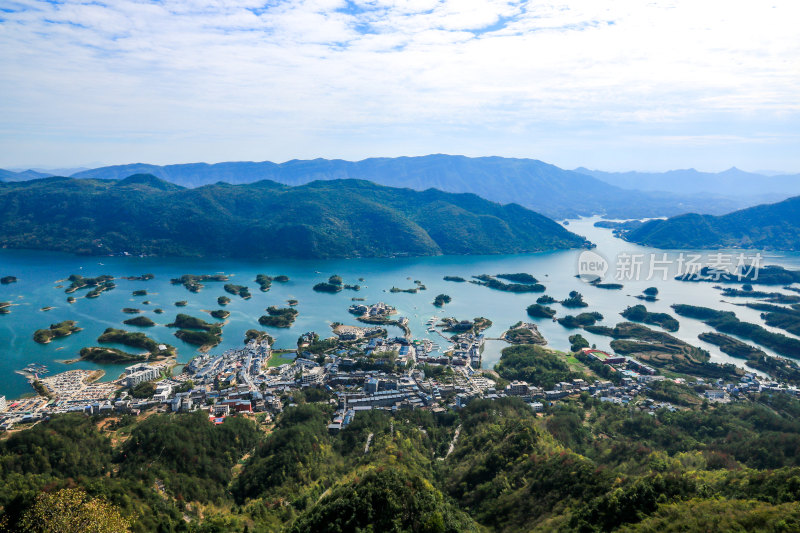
(622, 85)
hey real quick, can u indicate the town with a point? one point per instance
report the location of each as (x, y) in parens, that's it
(359, 368)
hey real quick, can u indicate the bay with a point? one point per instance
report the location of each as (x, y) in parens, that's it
(39, 272)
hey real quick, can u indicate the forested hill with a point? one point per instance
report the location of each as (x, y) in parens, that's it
(341, 218)
(539, 186)
(770, 226)
(581, 466)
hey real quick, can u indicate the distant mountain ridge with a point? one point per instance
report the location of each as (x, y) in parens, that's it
(770, 226)
(545, 188)
(731, 182)
(143, 214)
(25, 175)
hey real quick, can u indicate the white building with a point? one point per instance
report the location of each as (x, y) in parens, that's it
(140, 373)
(3, 404)
(518, 388)
(313, 376)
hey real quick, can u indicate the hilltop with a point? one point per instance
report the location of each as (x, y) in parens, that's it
(143, 214)
(769, 226)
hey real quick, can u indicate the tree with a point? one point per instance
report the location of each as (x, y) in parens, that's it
(71, 510)
(577, 342)
(143, 390)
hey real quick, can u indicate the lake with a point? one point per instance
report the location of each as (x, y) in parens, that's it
(40, 272)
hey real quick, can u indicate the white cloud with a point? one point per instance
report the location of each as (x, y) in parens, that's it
(257, 79)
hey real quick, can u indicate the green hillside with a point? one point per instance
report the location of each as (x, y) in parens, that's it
(144, 215)
(494, 466)
(770, 226)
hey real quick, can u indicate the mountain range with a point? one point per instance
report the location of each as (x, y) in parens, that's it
(142, 214)
(769, 226)
(539, 186)
(731, 182)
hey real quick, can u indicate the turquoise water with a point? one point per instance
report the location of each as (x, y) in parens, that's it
(39, 272)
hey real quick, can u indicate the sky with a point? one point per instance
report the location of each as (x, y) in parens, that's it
(611, 85)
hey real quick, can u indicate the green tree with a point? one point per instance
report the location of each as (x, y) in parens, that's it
(72, 510)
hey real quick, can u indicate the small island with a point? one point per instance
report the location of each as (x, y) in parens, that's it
(575, 299)
(79, 282)
(239, 290)
(189, 322)
(333, 285)
(140, 321)
(731, 346)
(476, 325)
(766, 275)
(71, 299)
(457, 279)
(197, 331)
(540, 311)
(5, 280)
(609, 286)
(748, 292)
(410, 291)
(101, 288)
(131, 310)
(278, 317)
(55, 331)
(139, 292)
(135, 339)
(639, 313)
(581, 320)
(545, 299)
(727, 322)
(292, 302)
(204, 339)
(220, 314)
(493, 283)
(104, 355)
(441, 299)
(524, 333)
(143, 277)
(194, 283)
(649, 294)
(223, 300)
(778, 316)
(182, 303)
(264, 282)
(519, 278)
(258, 336)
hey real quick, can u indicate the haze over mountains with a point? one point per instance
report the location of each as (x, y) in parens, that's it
(539, 186)
(340, 218)
(733, 182)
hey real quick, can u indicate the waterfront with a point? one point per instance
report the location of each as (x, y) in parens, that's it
(39, 272)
